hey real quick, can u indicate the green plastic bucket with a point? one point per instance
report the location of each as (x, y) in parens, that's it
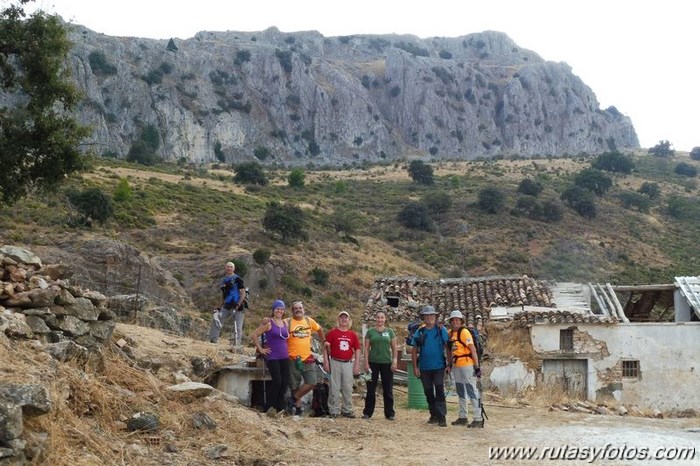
(416, 395)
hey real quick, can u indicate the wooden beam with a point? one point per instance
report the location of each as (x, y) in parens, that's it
(640, 288)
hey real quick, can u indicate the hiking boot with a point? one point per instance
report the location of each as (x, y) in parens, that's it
(297, 411)
(433, 420)
(364, 416)
(462, 421)
(272, 412)
(479, 424)
(391, 418)
(442, 422)
(349, 415)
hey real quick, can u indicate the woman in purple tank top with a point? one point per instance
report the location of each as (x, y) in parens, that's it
(273, 346)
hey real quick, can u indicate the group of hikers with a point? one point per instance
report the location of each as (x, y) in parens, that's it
(286, 345)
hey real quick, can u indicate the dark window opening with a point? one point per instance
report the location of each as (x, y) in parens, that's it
(392, 301)
(566, 339)
(630, 369)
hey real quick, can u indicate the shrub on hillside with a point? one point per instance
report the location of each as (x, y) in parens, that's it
(491, 200)
(93, 204)
(695, 153)
(261, 256)
(593, 180)
(662, 149)
(530, 187)
(649, 189)
(319, 276)
(637, 200)
(285, 220)
(251, 173)
(614, 162)
(296, 178)
(420, 172)
(686, 169)
(415, 215)
(123, 191)
(437, 201)
(580, 200)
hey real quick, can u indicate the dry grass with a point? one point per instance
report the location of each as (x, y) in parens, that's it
(509, 339)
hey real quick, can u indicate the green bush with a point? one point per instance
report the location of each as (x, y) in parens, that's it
(261, 256)
(491, 200)
(437, 201)
(241, 267)
(686, 169)
(581, 200)
(637, 200)
(593, 180)
(261, 152)
(649, 189)
(99, 64)
(242, 56)
(319, 276)
(662, 149)
(250, 172)
(286, 220)
(695, 153)
(296, 178)
(683, 208)
(530, 187)
(123, 191)
(415, 216)
(551, 211)
(93, 204)
(614, 162)
(285, 59)
(420, 172)
(144, 149)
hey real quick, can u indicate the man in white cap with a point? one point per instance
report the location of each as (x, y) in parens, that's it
(465, 369)
(341, 356)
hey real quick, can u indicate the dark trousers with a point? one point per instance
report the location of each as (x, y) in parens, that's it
(277, 387)
(387, 389)
(434, 388)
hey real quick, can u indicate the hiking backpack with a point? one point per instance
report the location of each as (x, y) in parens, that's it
(476, 339)
(319, 400)
(412, 328)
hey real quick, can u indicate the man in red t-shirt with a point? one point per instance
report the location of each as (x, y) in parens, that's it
(341, 348)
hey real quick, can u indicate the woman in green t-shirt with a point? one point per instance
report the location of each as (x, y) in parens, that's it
(380, 358)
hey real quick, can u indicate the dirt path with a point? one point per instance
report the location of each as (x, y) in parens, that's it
(253, 438)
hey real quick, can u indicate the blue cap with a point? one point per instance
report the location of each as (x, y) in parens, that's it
(278, 303)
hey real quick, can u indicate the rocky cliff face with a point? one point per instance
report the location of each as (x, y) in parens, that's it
(300, 97)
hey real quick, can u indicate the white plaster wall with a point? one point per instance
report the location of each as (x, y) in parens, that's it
(512, 378)
(668, 354)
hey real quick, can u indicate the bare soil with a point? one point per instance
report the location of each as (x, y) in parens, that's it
(87, 424)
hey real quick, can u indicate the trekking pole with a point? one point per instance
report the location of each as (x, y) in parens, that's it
(264, 386)
(481, 404)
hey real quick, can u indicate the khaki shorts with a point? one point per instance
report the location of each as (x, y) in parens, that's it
(308, 373)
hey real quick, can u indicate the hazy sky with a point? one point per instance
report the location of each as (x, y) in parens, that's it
(640, 56)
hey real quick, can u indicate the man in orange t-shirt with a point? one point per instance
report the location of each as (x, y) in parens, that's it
(302, 364)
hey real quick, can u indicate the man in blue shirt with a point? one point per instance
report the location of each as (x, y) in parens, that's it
(232, 304)
(430, 354)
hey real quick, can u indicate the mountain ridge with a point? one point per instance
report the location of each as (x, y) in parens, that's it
(295, 98)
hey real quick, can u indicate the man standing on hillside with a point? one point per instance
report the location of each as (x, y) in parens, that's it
(341, 349)
(302, 364)
(232, 301)
(429, 344)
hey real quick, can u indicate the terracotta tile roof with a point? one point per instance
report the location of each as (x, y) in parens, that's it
(561, 317)
(402, 297)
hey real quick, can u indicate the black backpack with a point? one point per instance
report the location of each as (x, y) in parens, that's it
(319, 401)
(476, 338)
